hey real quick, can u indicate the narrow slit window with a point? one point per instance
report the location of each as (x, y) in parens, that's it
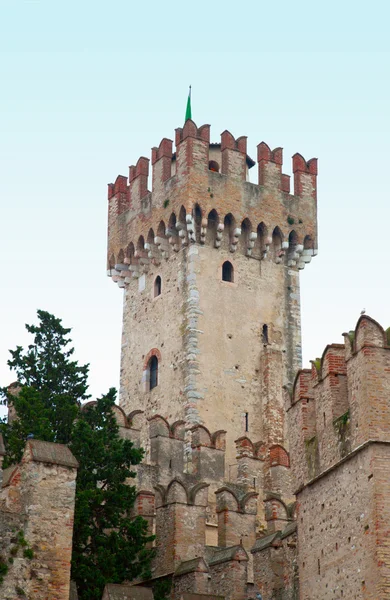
(227, 271)
(153, 372)
(246, 421)
(265, 334)
(157, 286)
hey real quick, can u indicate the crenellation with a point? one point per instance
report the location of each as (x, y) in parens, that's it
(194, 168)
(305, 176)
(343, 453)
(138, 182)
(233, 153)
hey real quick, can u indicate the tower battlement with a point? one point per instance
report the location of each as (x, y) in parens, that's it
(201, 194)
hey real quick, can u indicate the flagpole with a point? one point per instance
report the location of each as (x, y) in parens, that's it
(188, 109)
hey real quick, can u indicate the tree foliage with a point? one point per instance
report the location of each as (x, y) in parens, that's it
(109, 546)
(53, 387)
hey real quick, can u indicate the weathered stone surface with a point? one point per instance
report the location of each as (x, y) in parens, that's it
(37, 506)
(114, 591)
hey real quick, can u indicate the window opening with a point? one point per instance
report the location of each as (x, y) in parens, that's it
(214, 166)
(265, 334)
(246, 421)
(227, 271)
(153, 370)
(157, 286)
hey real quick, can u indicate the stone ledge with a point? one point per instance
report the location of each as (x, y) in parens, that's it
(48, 452)
(114, 591)
(340, 462)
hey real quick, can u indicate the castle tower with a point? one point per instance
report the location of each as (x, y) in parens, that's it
(209, 264)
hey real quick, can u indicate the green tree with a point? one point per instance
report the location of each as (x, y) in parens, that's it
(34, 418)
(52, 387)
(108, 545)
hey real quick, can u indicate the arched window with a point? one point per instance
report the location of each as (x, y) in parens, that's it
(153, 372)
(214, 166)
(157, 286)
(227, 271)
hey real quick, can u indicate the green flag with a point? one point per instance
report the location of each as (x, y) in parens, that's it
(188, 109)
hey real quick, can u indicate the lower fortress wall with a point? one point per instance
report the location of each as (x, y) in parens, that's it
(244, 536)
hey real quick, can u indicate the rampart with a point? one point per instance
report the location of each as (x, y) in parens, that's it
(339, 422)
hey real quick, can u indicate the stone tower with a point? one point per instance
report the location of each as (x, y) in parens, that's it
(209, 264)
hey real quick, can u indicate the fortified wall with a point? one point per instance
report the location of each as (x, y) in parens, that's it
(339, 423)
(231, 537)
(252, 538)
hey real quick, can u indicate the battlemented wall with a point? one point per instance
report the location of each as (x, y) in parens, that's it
(340, 451)
(215, 364)
(208, 527)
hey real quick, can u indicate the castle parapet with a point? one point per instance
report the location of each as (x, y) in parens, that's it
(305, 176)
(167, 444)
(342, 402)
(179, 509)
(208, 453)
(236, 517)
(233, 155)
(200, 179)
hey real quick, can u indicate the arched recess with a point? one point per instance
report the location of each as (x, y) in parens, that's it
(277, 240)
(140, 250)
(121, 258)
(176, 492)
(197, 214)
(260, 242)
(228, 271)
(181, 226)
(214, 166)
(292, 244)
(151, 370)
(182, 215)
(151, 237)
(161, 229)
(212, 224)
(172, 224)
(130, 253)
(229, 227)
(157, 286)
(246, 230)
(149, 246)
(279, 456)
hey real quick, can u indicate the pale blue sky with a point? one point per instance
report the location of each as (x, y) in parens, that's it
(88, 87)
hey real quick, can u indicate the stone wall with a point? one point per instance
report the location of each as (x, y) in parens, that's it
(340, 451)
(36, 515)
